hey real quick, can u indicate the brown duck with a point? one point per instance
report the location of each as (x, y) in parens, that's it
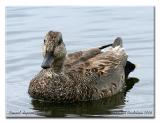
(80, 76)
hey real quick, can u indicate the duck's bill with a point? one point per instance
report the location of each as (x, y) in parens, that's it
(47, 61)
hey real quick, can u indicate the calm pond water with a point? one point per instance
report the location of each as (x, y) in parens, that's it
(82, 28)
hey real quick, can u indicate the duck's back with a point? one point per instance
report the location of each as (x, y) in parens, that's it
(103, 74)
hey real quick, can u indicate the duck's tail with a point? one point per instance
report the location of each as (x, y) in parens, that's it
(117, 42)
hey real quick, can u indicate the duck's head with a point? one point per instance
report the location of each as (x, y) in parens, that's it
(53, 49)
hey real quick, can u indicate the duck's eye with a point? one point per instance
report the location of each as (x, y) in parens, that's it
(44, 40)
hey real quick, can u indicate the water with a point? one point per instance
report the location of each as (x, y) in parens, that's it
(82, 28)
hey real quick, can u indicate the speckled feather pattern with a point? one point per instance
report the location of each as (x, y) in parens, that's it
(87, 75)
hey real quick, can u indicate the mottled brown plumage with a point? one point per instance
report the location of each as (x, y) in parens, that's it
(80, 76)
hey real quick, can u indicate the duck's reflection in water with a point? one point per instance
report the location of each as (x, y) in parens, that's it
(98, 108)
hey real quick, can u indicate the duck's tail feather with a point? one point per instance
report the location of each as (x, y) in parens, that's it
(117, 42)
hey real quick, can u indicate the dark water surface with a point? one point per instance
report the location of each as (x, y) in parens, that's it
(82, 28)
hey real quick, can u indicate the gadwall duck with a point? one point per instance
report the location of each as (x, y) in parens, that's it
(81, 76)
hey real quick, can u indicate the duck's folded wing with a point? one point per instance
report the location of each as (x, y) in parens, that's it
(108, 61)
(108, 68)
(105, 69)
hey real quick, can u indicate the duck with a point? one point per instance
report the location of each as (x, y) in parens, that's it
(87, 75)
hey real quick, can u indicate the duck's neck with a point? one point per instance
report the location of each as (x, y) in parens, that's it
(58, 65)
